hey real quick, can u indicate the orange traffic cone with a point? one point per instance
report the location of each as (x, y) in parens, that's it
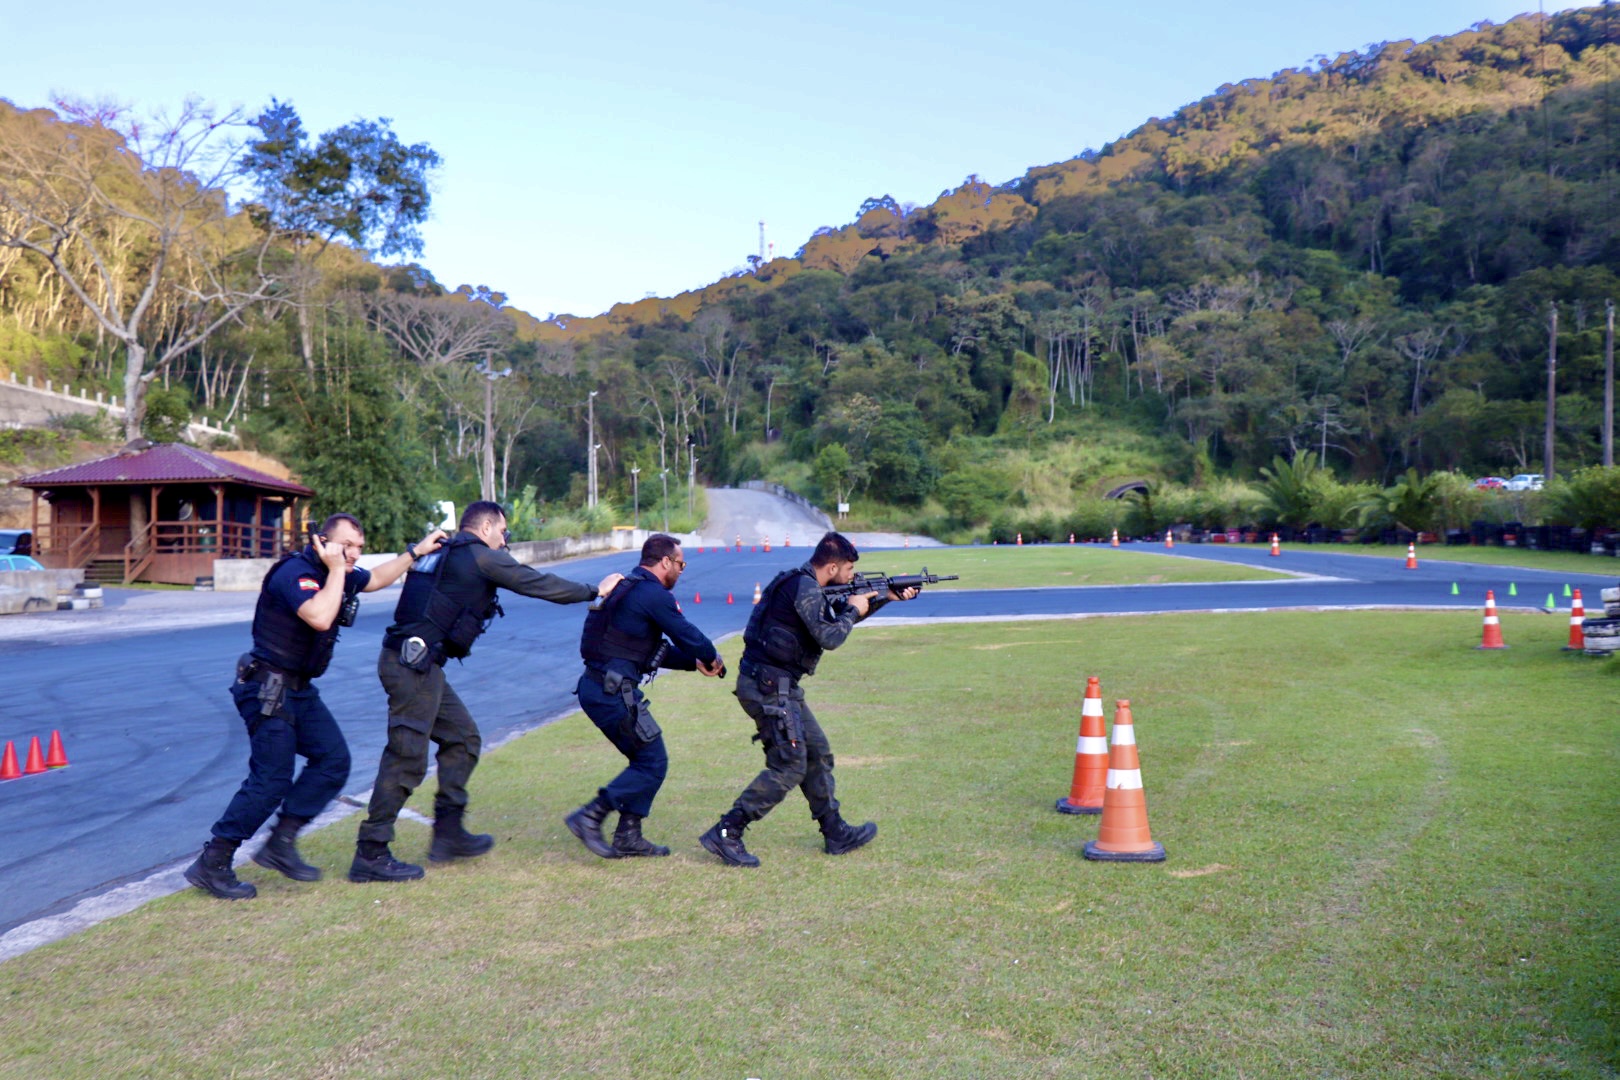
(907, 543)
(767, 543)
(1411, 556)
(697, 598)
(739, 543)
(1020, 539)
(56, 757)
(1577, 633)
(1169, 539)
(756, 592)
(1123, 835)
(1115, 541)
(1276, 548)
(1071, 538)
(787, 541)
(36, 759)
(8, 763)
(1090, 757)
(1493, 626)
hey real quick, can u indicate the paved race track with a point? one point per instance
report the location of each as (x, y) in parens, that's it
(156, 749)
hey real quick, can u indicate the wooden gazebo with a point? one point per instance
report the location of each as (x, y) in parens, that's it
(161, 512)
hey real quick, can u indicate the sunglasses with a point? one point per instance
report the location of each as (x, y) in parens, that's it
(681, 563)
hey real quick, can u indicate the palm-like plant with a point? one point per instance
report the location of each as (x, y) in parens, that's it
(1287, 491)
(1412, 502)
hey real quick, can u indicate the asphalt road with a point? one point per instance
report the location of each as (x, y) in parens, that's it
(156, 750)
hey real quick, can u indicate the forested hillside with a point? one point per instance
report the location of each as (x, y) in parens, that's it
(1362, 265)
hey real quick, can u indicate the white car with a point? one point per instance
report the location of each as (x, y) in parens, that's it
(1526, 481)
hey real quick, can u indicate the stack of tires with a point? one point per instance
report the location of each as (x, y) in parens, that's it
(1603, 634)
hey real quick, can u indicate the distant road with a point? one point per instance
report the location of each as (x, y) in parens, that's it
(755, 515)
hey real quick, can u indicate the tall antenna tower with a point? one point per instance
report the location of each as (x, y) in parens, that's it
(762, 241)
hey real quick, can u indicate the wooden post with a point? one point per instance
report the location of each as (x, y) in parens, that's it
(219, 522)
(95, 518)
(258, 525)
(34, 528)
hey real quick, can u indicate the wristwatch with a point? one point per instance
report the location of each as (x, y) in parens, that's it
(410, 549)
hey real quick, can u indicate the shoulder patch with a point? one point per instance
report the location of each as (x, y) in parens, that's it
(309, 584)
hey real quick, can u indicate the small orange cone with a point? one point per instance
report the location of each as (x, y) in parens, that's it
(697, 598)
(767, 543)
(1276, 548)
(1020, 539)
(36, 759)
(1169, 539)
(1115, 541)
(1411, 556)
(907, 543)
(756, 592)
(56, 757)
(1123, 835)
(787, 541)
(1493, 626)
(8, 763)
(1090, 757)
(1071, 538)
(1577, 633)
(739, 543)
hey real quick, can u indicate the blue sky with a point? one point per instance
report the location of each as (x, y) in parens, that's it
(595, 154)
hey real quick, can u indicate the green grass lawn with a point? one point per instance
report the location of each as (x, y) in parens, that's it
(1049, 565)
(1494, 556)
(1389, 855)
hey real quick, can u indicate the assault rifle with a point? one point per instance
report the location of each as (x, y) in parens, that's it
(882, 583)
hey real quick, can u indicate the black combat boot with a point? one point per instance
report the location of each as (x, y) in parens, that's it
(628, 841)
(212, 872)
(452, 841)
(841, 836)
(725, 840)
(374, 862)
(586, 823)
(280, 854)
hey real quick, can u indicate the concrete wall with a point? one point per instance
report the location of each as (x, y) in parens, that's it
(242, 575)
(35, 590)
(32, 403)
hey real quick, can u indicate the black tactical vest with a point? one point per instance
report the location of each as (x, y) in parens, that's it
(283, 640)
(445, 600)
(775, 634)
(601, 641)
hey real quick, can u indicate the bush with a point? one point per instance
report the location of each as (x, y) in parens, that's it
(168, 413)
(1589, 498)
(96, 428)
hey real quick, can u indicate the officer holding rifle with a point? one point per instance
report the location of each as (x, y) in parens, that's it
(794, 622)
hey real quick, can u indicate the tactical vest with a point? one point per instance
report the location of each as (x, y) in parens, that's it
(445, 600)
(775, 634)
(283, 640)
(601, 641)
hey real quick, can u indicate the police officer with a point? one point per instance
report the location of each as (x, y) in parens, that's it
(622, 642)
(786, 634)
(304, 601)
(448, 601)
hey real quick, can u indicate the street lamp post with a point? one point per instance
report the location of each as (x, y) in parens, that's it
(487, 485)
(664, 475)
(635, 491)
(691, 480)
(590, 440)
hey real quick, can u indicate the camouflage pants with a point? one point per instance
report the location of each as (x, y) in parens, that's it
(422, 708)
(808, 766)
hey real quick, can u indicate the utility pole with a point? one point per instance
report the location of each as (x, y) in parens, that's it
(1608, 388)
(691, 481)
(1552, 385)
(590, 441)
(487, 483)
(635, 491)
(665, 475)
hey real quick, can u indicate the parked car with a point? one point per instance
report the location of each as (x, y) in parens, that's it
(1527, 481)
(16, 542)
(1490, 482)
(18, 562)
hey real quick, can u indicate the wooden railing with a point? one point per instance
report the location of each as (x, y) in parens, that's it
(223, 540)
(75, 544)
(139, 553)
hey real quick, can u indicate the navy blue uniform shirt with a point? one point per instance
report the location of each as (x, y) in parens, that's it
(648, 612)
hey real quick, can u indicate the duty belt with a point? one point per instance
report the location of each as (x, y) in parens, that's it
(766, 673)
(255, 671)
(392, 643)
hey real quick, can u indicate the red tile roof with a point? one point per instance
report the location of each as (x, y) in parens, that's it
(162, 463)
